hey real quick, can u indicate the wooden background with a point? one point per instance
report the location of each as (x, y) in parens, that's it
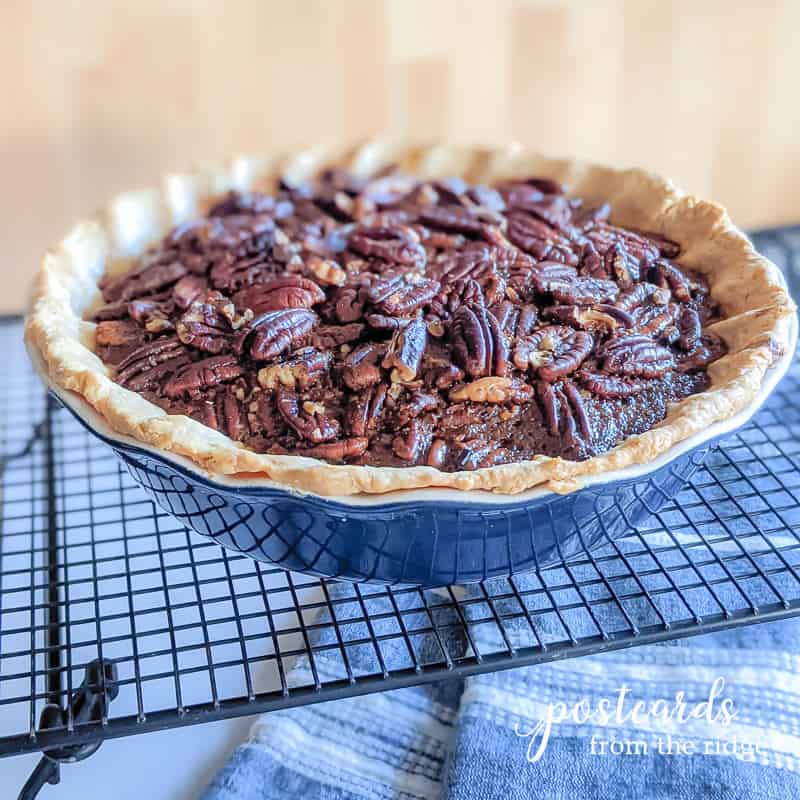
(100, 95)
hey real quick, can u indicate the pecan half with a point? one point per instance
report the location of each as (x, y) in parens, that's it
(419, 404)
(689, 329)
(203, 374)
(327, 337)
(287, 291)
(394, 245)
(399, 294)
(477, 220)
(276, 332)
(230, 413)
(116, 339)
(515, 320)
(342, 450)
(583, 291)
(668, 276)
(152, 315)
(188, 289)
(412, 443)
(641, 294)
(539, 239)
(145, 367)
(363, 413)
(603, 317)
(405, 351)
(612, 387)
(553, 352)
(707, 349)
(479, 345)
(636, 356)
(142, 281)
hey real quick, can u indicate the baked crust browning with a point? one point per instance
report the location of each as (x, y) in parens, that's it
(187, 348)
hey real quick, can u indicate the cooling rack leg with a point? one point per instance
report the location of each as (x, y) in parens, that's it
(89, 704)
(46, 771)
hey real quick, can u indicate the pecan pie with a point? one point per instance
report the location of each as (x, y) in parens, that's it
(413, 318)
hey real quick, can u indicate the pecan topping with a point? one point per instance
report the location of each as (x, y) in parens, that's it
(116, 333)
(390, 321)
(553, 352)
(641, 294)
(278, 331)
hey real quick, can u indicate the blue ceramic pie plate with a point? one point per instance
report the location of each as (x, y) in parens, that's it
(426, 537)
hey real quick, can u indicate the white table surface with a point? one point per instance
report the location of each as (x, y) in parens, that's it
(166, 765)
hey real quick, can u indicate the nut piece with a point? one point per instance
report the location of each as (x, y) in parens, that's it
(326, 271)
(493, 390)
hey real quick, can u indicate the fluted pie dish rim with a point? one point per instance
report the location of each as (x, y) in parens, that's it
(756, 327)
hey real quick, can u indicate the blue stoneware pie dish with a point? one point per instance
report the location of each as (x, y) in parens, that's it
(420, 365)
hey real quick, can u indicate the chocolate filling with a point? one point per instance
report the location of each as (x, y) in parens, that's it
(395, 321)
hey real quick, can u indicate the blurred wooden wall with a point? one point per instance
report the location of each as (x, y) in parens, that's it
(101, 95)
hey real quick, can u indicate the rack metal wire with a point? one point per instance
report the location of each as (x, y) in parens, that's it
(176, 631)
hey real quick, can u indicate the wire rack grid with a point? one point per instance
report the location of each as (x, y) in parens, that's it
(91, 570)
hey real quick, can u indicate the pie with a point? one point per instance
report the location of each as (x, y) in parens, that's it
(401, 317)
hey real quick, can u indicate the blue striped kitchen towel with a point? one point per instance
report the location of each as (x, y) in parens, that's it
(717, 716)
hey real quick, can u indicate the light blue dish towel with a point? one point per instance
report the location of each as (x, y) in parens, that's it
(716, 716)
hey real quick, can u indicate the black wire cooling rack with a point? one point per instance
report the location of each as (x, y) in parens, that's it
(115, 620)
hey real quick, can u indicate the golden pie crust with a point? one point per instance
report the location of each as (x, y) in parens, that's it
(750, 290)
